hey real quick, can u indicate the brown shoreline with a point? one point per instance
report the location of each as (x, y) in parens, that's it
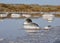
(28, 8)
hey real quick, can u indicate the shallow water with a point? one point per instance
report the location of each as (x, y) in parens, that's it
(13, 28)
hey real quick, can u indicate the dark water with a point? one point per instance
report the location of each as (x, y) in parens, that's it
(13, 29)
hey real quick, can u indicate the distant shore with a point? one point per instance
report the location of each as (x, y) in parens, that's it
(28, 8)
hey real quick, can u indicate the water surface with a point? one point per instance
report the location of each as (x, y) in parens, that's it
(13, 28)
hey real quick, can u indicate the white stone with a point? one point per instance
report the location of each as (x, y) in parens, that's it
(48, 17)
(26, 15)
(15, 15)
(3, 15)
